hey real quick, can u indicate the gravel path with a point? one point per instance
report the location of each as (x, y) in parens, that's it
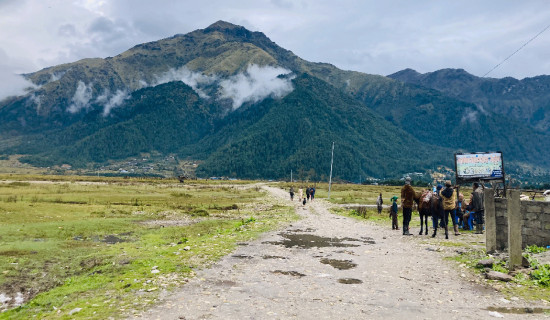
(330, 267)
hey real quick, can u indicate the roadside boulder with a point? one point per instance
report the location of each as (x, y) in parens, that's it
(487, 263)
(495, 275)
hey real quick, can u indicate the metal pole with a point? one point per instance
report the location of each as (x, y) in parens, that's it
(330, 177)
(291, 176)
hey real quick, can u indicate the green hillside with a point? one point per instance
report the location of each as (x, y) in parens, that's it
(296, 133)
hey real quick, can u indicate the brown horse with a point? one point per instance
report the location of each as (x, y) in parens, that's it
(438, 214)
(423, 202)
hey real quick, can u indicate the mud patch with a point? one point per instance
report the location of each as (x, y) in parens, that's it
(241, 256)
(289, 273)
(307, 241)
(14, 253)
(349, 281)
(527, 310)
(225, 283)
(274, 257)
(339, 264)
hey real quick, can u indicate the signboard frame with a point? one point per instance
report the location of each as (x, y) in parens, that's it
(462, 179)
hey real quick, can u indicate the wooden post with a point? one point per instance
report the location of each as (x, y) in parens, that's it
(490, 221)
(514, 229)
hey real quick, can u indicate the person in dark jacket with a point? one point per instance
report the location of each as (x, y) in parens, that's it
(407, 202)
(393, 213)
(477, 206)
(379, 203)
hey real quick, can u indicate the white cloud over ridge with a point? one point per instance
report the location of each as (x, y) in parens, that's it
(13, 85)
(81, 98)
(115, 101)
(190, 78)
(253, 85)
(256, 84)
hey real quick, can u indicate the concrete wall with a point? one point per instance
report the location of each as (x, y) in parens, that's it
(535, 219)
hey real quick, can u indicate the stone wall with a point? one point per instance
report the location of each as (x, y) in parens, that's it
(535, 217)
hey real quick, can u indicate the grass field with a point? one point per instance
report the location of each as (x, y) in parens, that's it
(107, 247)
(75, 247)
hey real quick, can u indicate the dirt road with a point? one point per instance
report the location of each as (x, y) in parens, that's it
(331, 267)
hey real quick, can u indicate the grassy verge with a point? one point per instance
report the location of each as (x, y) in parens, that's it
(106, 249)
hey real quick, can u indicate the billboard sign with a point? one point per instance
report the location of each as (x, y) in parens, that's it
(479, 166)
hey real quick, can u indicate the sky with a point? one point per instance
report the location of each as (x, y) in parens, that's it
(377, 37)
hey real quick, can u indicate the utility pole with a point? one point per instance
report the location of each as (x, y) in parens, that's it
(290, 175)
(330, 177)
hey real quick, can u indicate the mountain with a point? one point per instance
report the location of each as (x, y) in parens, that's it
(527, 100)
(246, 107)
(300, 129)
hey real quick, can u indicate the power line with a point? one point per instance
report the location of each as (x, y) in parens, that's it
(526, 43)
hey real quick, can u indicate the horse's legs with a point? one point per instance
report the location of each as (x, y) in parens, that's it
(446, 221)
(426, 222)
(435, 223)
(421, 218)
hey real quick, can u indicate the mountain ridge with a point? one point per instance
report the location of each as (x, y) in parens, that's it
(81, 107)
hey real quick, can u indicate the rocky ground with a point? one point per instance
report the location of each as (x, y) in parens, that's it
(327, 266)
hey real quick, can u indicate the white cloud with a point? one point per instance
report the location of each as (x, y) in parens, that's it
(190, 78)
(256, 84)
(469, 116)
(13, 84)
(81, 98)
(115, 101)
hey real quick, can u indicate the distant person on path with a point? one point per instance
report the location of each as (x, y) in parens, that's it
(407, 201)
(304, 202)
(312, 193)
(393, 213)
(448, 196)
(301, 193)
(308, 193)
(477, 206)
(379, 203)
(291, 193)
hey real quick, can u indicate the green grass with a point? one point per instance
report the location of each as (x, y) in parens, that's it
(53, 240)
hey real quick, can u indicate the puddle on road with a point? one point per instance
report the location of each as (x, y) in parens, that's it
(349, 281)
(289, 273)
(300, 230)
(112, 239)
(339, 264)
(518, 310)
(346, 252)
(274, 257)
(307, 241)
(241, 256)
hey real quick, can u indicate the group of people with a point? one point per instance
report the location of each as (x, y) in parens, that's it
(450, 205)
(310, 194)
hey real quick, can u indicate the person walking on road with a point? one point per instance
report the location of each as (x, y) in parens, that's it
(379, 203)
(407, 201)
(291, 193)
(393, 213)
(301, 193)
(312, 193)
(308, 190)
